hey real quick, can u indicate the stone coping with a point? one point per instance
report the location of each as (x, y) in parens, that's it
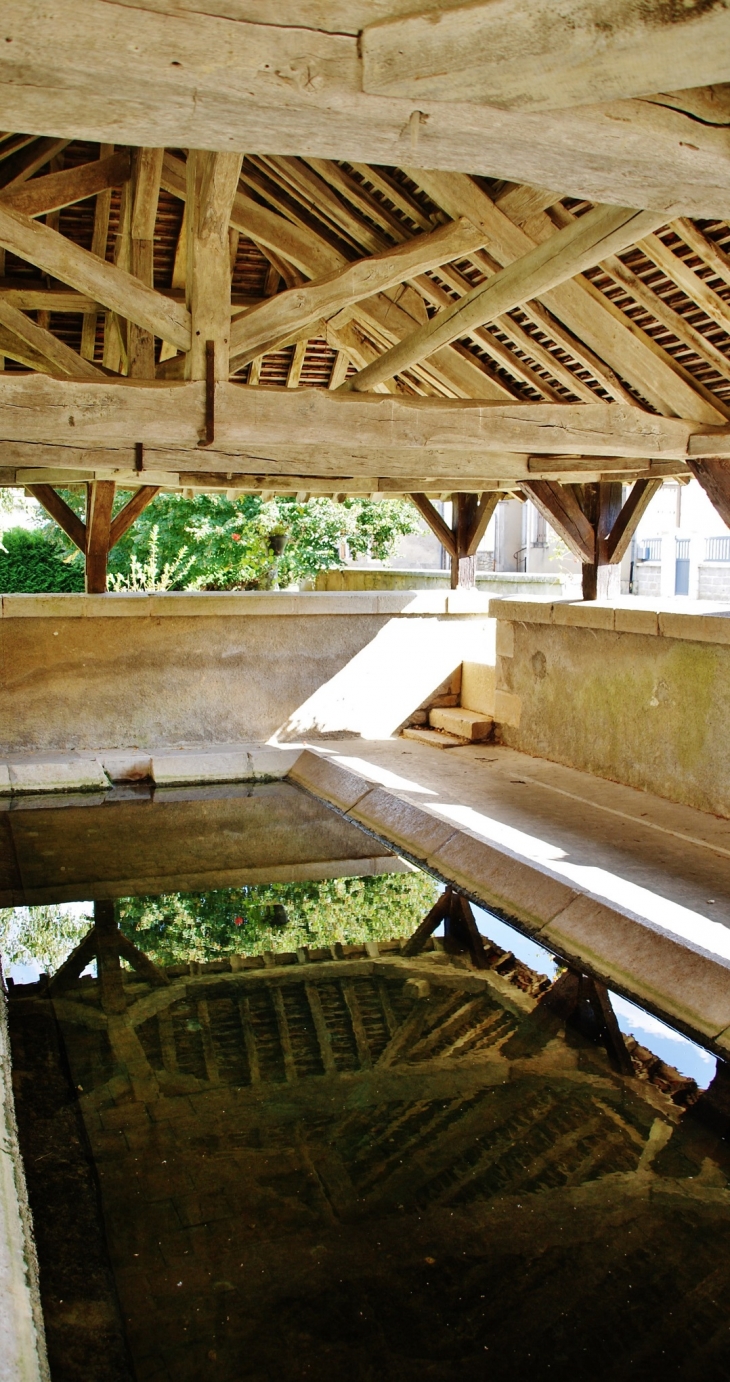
(537, 866)
(184, 604)
(699, 621)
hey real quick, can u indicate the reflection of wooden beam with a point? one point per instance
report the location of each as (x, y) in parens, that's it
(536, 57)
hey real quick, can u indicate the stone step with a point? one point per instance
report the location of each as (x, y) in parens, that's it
(466, 724)
(434, 738)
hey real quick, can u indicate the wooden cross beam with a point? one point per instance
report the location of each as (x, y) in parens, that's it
(96, 537)
(579, 246)
(300, 88)
(506, 54)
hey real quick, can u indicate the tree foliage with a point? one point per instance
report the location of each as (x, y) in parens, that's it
(44, 935)
(215, 543)
(33, 561)
(276, 916)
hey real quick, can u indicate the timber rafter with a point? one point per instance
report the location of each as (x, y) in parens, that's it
(365, 272)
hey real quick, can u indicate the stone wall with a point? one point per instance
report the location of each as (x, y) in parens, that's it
(714, 581)
(143, 671)
(638, 695)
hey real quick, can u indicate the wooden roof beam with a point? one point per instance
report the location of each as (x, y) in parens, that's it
(577, 247)
(536, 57)
(106, 283)
(277, 318)
(206, 81)
(40, 409)
(56, 190)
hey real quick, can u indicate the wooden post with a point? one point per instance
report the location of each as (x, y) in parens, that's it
(463, 565)
(111, 981)
(601, 503)
(99, 502)
(146, 190)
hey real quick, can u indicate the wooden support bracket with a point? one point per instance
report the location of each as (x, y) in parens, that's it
(584, 1003)
(460, 928)
(435, 522)
(107, 943)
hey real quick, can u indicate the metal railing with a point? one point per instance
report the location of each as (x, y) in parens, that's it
(717, 549)
(649, 549)
(682, 552)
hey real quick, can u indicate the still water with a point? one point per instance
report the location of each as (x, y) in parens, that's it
(290, 1150)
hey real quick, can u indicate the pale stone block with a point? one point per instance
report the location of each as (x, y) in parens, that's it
(74, 775)
(477, 686)
(5, 787)
(468, 724)
(505, 643)
(70, 606)
(433, 738)
(272, 762)
(328, 780)
(122, 604)
(402, 824)
(123, 765)
(584, 614)
(516, 887)
(507, 708)
(527, 611)
(412, 602)
(698, 628)
(173, 768)
(467, 602)
(628, 620)
(647, 963)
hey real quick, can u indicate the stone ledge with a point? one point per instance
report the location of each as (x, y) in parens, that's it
(700, 622)
(660, 967)
(186, 604)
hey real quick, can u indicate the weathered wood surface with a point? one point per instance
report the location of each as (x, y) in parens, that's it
(212, 181)
(604, 230)
(201, 81)
(276, 318)
(62, 360)
(158, 413)
(558, 504)
(70, 185)
(543, 56)
(591, 319)
(109, 284)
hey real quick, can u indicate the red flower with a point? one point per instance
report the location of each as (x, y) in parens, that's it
(236, 537)
(238, 921)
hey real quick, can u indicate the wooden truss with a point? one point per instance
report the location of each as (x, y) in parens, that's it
(356, 314)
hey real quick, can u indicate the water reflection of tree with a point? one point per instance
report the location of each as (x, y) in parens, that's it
(42, 935)
(201, 926)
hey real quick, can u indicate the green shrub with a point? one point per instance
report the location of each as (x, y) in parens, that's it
(33, 561)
